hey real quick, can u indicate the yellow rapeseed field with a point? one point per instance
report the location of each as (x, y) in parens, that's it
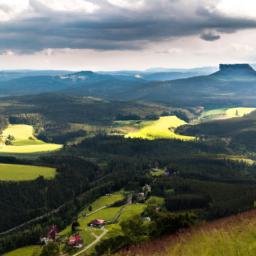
(24, 141)
(161, 129)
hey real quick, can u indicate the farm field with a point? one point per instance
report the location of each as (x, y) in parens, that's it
(161, 129)
(21, 140)
(228, 236)
(225, 113)
(15, 172)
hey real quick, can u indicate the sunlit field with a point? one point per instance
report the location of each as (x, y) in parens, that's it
(15, 172)
(24, 141)
(161, 129)
(225, 113)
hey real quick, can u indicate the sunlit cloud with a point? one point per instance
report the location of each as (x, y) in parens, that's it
(128, 4)
(70, 5)
(238, 8)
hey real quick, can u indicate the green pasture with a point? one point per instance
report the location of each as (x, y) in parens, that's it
(15, 172)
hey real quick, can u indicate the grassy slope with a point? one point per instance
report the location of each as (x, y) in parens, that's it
(161, 129)
(232, 236)
(25, 141)
(15, 172)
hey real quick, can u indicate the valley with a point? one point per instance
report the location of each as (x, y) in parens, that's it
(114, 173)
(127, 128)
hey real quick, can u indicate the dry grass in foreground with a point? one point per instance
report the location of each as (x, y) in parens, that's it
(231, 236)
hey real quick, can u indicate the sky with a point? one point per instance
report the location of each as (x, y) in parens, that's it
(125, 34)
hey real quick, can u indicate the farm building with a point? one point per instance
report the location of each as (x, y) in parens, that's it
(97, 223)
(141, 196)
(75, 241)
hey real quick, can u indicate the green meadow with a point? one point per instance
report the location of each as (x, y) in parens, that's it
(15, 172)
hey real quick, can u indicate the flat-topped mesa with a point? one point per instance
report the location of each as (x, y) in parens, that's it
(235, 71)
(236, 67)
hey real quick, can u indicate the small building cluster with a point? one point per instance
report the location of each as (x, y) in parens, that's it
(142, 196)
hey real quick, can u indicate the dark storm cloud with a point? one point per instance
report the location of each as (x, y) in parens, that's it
(112, 27)
(210, 36)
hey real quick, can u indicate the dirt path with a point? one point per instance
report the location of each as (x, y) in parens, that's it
(92, 244)
(99, 209)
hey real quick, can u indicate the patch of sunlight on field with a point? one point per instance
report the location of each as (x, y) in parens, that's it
(24, 141)
(225, 113)
(239, 112)
(25, 251)
(16, 172)
(236, 158)
(161, 129)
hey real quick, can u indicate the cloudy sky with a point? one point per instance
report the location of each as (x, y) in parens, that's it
(125, 34)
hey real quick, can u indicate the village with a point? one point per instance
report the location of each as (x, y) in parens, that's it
(100, 220)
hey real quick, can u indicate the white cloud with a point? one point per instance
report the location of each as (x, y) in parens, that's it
(128, 4)
(7, 53)
(239, 8)
(70, 5)
(170, 51)
(245, 48)
(12, 8)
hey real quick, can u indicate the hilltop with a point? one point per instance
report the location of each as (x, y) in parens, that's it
(227, 236)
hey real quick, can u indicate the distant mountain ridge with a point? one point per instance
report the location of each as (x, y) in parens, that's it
(232, 85)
